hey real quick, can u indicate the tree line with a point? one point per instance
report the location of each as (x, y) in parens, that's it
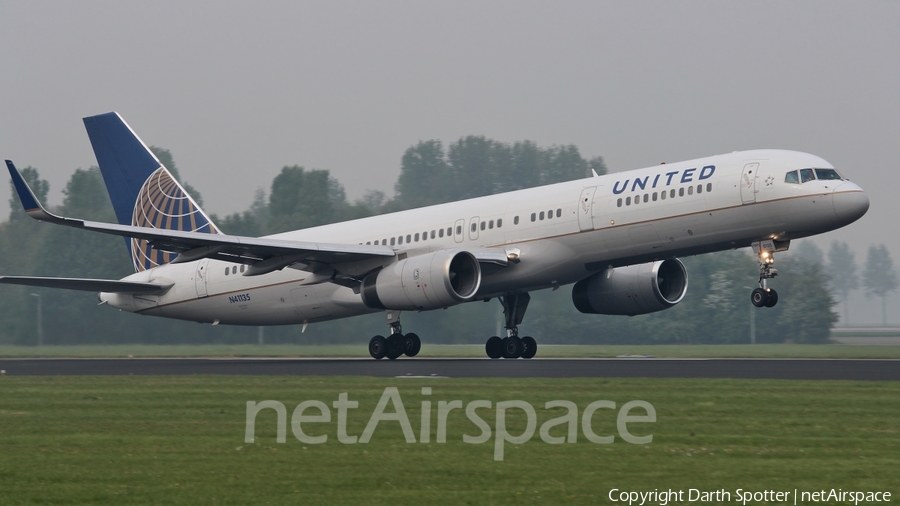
(716, 309)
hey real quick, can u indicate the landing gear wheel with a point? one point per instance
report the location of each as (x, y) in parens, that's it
(412, 345)
(772, 298)
(494, 347)
(759, 297)
(529, 347)
(512, 347)
(378, 347)
(396, 345)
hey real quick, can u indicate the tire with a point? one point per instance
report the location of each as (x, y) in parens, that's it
(412, 345)
(396, 345)
(494, 347)
(378, 347)
(512, 347)
(529, 347)
(759, 297)
(772, 298)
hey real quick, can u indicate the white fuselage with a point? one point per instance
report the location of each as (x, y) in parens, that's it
(561, 233)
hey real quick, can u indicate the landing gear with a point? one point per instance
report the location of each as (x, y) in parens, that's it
(494, 347)
(512, 346)
(395, 344)
(378, 347)
(764, 296)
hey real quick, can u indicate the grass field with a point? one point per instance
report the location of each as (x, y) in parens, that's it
(431, 350)
(180, 440)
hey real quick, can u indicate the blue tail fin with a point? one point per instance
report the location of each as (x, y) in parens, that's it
(143, 192)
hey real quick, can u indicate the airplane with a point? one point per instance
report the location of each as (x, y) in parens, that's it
(617, 237)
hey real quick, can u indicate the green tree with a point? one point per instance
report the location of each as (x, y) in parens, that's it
(810, 253)
(303, 198)
(879, 277)
(844, 278)
(423, 175)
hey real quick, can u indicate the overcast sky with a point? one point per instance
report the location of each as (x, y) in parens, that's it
(236, 90)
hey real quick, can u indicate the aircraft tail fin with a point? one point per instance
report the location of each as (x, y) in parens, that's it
(142, 191)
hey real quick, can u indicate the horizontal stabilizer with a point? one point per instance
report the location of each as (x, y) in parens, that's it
(89, 285)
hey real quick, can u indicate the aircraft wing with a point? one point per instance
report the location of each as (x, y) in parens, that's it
(89, 285)
(263, 255)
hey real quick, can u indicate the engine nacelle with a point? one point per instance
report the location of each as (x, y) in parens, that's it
(632, 290)
(430, 281)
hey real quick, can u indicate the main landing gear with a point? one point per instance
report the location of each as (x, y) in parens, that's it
(765, 296)
(512, 346)
(395, 344)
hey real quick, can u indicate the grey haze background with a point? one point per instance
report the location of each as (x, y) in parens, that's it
(237, 90)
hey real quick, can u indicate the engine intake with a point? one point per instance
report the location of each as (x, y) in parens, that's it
(430, 281)
(632, 290)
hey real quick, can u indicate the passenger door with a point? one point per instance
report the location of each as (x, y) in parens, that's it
(585, 209)
(748, 183)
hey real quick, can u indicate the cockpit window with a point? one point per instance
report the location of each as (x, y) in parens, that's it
(806, 175)
(791, 177)
(827, 174)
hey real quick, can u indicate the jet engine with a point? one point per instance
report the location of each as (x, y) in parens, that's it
(430, 281)
(632, 290)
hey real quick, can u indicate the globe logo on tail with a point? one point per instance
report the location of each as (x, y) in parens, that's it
(163, 204)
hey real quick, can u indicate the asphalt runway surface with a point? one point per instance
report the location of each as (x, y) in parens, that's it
(796, 369)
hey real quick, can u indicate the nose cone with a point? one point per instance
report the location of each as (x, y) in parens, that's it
(850, 202)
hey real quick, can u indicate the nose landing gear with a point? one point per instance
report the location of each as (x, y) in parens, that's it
(765, 296)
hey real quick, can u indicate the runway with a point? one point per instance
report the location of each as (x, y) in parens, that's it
(795, 369)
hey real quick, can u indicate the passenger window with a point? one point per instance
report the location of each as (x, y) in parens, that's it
(400, 240)
(827, 174)
(646, 198)
(654, 197)
(227, 271)
(681, 192)
(242, 267)
(791, 177)
(806, 175)
(234, 270)
(368, 243)
(662, 195)
(491, 224)
(690, 190)
(417, 237)
(559, 213)
(499, 222)
(432, 233)
(441, 234)
(408, 237)
(483, 225)
(516, 220)
(627, 201)
(450, 230)
(533, 216)
(474, 226)
(549, 214)
(393, 241)
(699, 188)
(672, 193)
(637, 199)
(708, 187)
(542, 215)
(619, 203)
